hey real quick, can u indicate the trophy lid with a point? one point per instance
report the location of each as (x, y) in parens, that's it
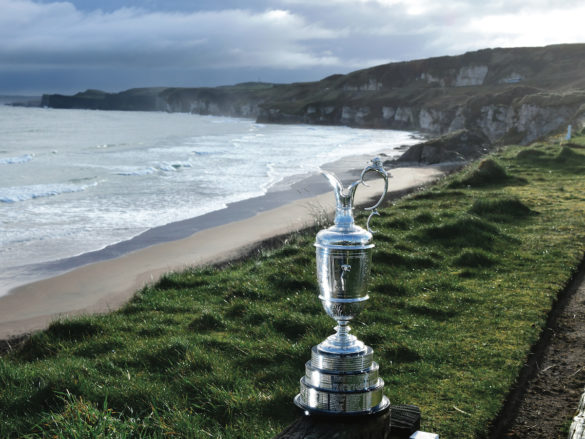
(336, 237)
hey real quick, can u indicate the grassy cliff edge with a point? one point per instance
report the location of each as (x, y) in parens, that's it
(464, 276)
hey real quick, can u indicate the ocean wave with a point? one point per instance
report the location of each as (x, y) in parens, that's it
(131, 171)
(111, 145)
(136, 172)
(30, 192)
(16, 160)
(172, 167)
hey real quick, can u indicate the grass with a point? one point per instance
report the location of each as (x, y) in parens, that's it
(463, 278)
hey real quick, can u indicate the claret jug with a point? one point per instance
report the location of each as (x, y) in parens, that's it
(341, 377)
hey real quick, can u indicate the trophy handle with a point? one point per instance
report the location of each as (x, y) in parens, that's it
(376, 166)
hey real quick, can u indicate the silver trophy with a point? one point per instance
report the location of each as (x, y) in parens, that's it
(341, 378)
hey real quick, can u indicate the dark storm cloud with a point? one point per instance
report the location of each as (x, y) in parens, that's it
(180, 42)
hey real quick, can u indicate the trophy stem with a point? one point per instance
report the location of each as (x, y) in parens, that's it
(343, 329)
(342, 342)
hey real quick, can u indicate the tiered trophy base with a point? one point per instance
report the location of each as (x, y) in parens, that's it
(342, 384)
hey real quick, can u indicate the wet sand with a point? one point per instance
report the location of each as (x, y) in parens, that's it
(103, 281)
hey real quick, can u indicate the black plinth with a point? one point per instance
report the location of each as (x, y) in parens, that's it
(397, 422)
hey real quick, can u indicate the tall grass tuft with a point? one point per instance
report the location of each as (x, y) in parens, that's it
(475, 258)
(568, 156)
(501, 209)
(530, 154)
(465, 231)
(488, 172)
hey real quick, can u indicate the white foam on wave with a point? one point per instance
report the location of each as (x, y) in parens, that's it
(17, 160)
(23, 193)
(174, 166)
(147, 179)
(111, 145)
(274, 176)
(131, 172)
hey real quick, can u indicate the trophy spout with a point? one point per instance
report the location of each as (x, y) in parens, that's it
(343, 200)
(344, 196)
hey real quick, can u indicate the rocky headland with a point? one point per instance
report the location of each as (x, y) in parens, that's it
(512, 95)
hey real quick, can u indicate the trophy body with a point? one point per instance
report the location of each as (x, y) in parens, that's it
(341, 378)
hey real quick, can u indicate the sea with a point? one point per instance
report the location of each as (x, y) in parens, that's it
(73, 182)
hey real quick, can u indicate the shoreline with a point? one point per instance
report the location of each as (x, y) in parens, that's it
(103, 281)
(283, 192)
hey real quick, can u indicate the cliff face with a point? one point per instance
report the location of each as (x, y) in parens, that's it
(238, 101)
(515, 95)
(138, 99)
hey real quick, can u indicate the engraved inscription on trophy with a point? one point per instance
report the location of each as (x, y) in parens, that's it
(341, 378)
(345, 268)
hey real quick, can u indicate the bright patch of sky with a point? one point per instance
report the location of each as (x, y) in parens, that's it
(67, 46)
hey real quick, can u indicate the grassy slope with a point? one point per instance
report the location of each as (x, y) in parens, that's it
(464, 275)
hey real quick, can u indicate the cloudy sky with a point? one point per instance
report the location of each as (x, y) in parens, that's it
(66, 46)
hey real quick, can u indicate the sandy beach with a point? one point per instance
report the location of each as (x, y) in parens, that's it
(104, 282)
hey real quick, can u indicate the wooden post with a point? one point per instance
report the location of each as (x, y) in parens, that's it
(397, 423)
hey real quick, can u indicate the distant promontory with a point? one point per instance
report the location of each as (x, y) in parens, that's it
(505, 95)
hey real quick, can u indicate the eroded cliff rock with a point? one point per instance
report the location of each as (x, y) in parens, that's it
(458, 146)
(505, 95)
(515, 95)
